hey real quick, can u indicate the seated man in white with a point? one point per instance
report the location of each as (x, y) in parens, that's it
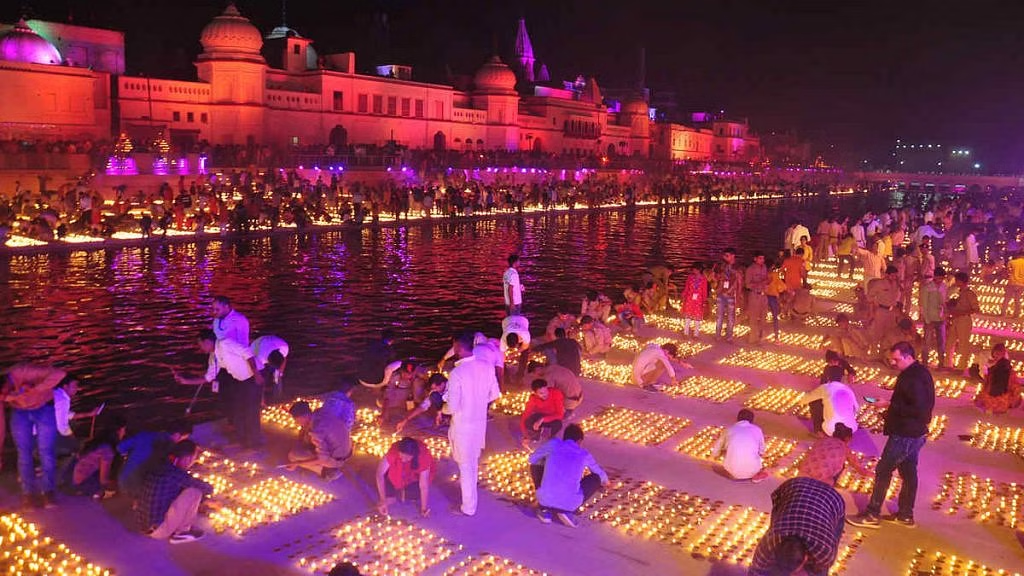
(743, 444)
(655, 366)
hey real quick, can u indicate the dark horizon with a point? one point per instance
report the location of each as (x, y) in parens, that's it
(853, 78)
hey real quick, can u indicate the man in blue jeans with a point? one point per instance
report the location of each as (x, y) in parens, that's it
(906, 425)
(727, 289)
(28, 389)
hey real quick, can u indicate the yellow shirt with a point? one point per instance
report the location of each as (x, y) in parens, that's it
(1016, 268)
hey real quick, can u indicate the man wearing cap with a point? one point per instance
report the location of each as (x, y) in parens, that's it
(933, 314)
(961, 310)
(885, 295)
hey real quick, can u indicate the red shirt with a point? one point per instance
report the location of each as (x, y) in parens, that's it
(402, 474)
(553, 408)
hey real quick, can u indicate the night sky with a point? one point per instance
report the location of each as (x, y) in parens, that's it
(853, 75)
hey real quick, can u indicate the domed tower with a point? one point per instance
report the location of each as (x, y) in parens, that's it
(494, 90)
(231, 63)
(635, 114)
(22, 44)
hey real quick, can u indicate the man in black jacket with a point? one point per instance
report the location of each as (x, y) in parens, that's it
(906, 425)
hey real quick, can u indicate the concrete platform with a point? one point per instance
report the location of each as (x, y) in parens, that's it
(103, 532)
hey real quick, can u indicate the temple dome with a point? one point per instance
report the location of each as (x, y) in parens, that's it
(22, 44)
(231, 34)
(495, 76)
(635, 106)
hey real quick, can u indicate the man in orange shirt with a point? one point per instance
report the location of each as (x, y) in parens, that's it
(28, 389)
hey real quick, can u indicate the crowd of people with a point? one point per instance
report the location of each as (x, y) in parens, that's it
(455, 393)
(243, 200)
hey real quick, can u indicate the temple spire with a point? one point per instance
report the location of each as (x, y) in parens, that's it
(524, 51)
(284, 13)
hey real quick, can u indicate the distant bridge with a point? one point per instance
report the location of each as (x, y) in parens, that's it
(939, 182)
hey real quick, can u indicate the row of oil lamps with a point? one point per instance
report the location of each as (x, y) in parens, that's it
(983, 499)
(25, 551)
(636, 426)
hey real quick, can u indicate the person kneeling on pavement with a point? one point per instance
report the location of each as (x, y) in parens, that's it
(544, 412)
(655, 366)
(171, 497)
(557, 472)
(405, 472)
(325, 436)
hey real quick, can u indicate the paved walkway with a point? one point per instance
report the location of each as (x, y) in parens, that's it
(667, 512)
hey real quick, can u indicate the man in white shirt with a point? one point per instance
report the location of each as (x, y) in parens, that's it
(273, 351)
(512, 288)
(228, 322)
(799, 231)
(743, 444)
(518, 325)
(838, 404)
(233, 366)
(654, 366)
(471, 387)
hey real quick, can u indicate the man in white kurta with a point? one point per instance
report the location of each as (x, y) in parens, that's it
(472, 385)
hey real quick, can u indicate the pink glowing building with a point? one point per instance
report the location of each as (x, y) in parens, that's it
(63, 81)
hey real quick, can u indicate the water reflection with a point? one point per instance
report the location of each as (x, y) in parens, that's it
(121, 317)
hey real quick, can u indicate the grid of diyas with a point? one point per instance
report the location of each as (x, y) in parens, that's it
(802, 340)
(944, 387)
(994, 438)
(225, 473)
(701, 446)
(779, 362)
(872, 419)
(265, 502)
(620, 374)
(986, 341)
(630, 343)
(636, 507)
(490, 565)
(983, 499)
(636, 426)
(941, 564)
(849, 479)
(378, 547)
(512, 403)
(675, 323)
(508, 475)
(716, 390)
(25, 550)
(649, 510)
(820, 291)
(777, 400)
(368, 438)
(734, 534)
(277, 415)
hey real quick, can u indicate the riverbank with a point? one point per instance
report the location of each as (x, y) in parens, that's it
(20, 245)
(668, 510)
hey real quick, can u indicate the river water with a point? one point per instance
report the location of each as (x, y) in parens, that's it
(119, 317)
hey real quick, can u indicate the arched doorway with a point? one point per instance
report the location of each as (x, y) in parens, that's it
(338, 137)
(439, 141)
(611, 150)
(538, 146)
